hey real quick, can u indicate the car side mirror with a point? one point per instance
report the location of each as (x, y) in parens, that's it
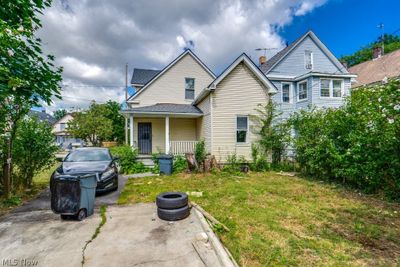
(116, 158)
(59, 159)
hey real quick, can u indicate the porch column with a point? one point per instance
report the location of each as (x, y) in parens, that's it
(167, 135)
(126, 131)
(131, 129)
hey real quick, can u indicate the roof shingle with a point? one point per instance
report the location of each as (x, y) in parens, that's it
(143, 76)
(168, 108)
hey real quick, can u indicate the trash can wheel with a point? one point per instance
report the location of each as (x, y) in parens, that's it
(81, 214)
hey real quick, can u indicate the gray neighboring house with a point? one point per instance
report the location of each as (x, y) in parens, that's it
(42, 116)
(307, 73)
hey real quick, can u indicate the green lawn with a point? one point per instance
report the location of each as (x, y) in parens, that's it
(40, 182)
(280, 220)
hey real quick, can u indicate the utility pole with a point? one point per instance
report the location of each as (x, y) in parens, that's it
(382, 27)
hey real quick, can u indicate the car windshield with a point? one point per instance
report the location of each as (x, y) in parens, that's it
(88, 155)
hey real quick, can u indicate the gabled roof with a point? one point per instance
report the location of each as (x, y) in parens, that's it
(250, 64)
(273, 61)
(42, 116)
(188, 51)
(377, 69)
(143, 76)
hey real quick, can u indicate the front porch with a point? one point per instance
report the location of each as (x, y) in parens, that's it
(169, 131)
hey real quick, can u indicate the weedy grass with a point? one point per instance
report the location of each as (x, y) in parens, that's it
(281, 220)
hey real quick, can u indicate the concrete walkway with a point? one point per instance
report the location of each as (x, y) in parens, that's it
(132, 236)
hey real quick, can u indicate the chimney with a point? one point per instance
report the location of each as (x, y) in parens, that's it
(262, 60)
(377, 52)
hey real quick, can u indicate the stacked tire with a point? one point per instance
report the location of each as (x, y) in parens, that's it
(172, 206)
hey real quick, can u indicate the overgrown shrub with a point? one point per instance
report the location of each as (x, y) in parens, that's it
(180, 164)
(127, 158)
(154, 158)
(200, 153)
(357, 144)
(33, 150)
(234, 163)
(259, 161)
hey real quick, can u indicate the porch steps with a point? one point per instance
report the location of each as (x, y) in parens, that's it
(146, 160)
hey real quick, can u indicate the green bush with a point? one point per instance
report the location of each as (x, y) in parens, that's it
(33, 150)
(259, 161)
(200, 152)
(233, 163)
(127, 158)
(357, 144)
(180, 164)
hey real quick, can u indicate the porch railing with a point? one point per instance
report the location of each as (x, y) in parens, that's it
(182, 147)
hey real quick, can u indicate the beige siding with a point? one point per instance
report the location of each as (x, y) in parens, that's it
(238, 94)
(180, 130)
(170, 87)
(204, 123)
(66, 119)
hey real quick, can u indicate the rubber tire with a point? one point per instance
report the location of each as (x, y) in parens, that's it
(163, 202)
(81, 215)
(173, 215)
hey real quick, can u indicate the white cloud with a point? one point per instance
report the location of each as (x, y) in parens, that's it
(94, 39)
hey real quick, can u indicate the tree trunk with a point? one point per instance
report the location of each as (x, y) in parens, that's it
(191, 161)
(7, 169)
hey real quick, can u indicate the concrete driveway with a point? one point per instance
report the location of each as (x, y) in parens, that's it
(132, 236)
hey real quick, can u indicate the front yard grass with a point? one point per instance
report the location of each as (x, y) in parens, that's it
(280, 220)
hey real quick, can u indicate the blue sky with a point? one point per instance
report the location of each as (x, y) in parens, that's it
(346, 25)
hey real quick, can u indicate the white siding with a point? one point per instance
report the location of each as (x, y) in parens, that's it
(57, 126)
(170, 87)
(238, 94)
(204, 123)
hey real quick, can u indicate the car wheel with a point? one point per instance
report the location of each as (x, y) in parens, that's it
(81, 215)
(171, 200)
(174, 214)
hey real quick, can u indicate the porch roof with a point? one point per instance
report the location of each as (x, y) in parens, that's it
(183, 110)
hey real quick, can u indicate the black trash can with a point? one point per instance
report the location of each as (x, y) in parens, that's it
(73, 195)
(165, 161)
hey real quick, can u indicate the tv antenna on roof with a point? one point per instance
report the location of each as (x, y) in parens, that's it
(265, 49)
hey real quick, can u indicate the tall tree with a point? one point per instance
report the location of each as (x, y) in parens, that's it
(59, 113)
(392, 42)
(118, 121)
(91, 125)
(27, 77)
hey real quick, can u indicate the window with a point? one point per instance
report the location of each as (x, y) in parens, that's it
(325, 87)
(302, 90)
(331, 88)
(337, 88)
(189, 88)
(62, 126)
(308, 60)
(286, 92)
(241, 129)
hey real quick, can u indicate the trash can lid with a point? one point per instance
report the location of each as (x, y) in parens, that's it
(165, 156)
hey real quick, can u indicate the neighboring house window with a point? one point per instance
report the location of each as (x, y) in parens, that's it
(303, 90)
(286, 92)
(331, 88)
(189, 88)
(62, 126)
(308, 60)
(241, 129)
(337, 88)
(325, 87)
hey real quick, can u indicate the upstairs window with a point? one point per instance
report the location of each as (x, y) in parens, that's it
(189, 88)
(63, 126)
(331, 88)
(241, 129)
(308, 60)
(302, 90)
(286, 92)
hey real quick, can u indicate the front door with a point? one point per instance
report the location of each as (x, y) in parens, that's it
(144, 137)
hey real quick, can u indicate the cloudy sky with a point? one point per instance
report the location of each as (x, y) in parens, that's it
(94, 39)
